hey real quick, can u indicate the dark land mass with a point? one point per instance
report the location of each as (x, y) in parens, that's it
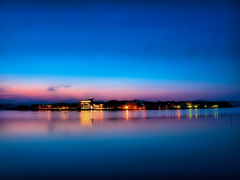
(119, 105)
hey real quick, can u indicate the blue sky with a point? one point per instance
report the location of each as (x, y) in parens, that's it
(171, 44)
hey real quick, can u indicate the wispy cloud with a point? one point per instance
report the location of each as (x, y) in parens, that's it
(54, 88)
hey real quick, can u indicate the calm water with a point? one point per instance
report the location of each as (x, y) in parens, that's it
(173, 144)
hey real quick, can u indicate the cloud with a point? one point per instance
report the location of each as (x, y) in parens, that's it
(54, 88)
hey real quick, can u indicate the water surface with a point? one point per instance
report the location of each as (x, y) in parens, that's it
(151, 144)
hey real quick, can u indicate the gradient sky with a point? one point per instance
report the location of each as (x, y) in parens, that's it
(151, 50)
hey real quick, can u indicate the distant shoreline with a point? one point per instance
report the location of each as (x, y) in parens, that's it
(16, 109)
(114, 105)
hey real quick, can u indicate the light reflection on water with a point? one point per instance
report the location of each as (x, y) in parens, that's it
(196, 143)
(13, 122)
(100, 115)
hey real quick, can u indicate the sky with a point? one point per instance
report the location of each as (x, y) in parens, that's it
(52, 51)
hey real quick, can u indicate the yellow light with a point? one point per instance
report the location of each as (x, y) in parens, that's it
(126, 107)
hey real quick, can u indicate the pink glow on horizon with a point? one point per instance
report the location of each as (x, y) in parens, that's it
(101, 94)
(108, 89)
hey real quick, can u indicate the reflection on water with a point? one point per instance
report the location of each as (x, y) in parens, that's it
(146, 144)
(49, 115)
(87, 118)
(27, 119)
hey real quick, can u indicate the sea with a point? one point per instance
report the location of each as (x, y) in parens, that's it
(137, 144)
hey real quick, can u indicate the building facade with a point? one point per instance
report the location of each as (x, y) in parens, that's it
(130, 105)
(86, 104)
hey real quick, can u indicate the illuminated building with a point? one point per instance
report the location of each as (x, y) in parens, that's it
(98, 106)
(142, 108)
(86, 104)
(57, 106)
(130, 105)
(189, 105)
(45, 107)
(176, 106)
